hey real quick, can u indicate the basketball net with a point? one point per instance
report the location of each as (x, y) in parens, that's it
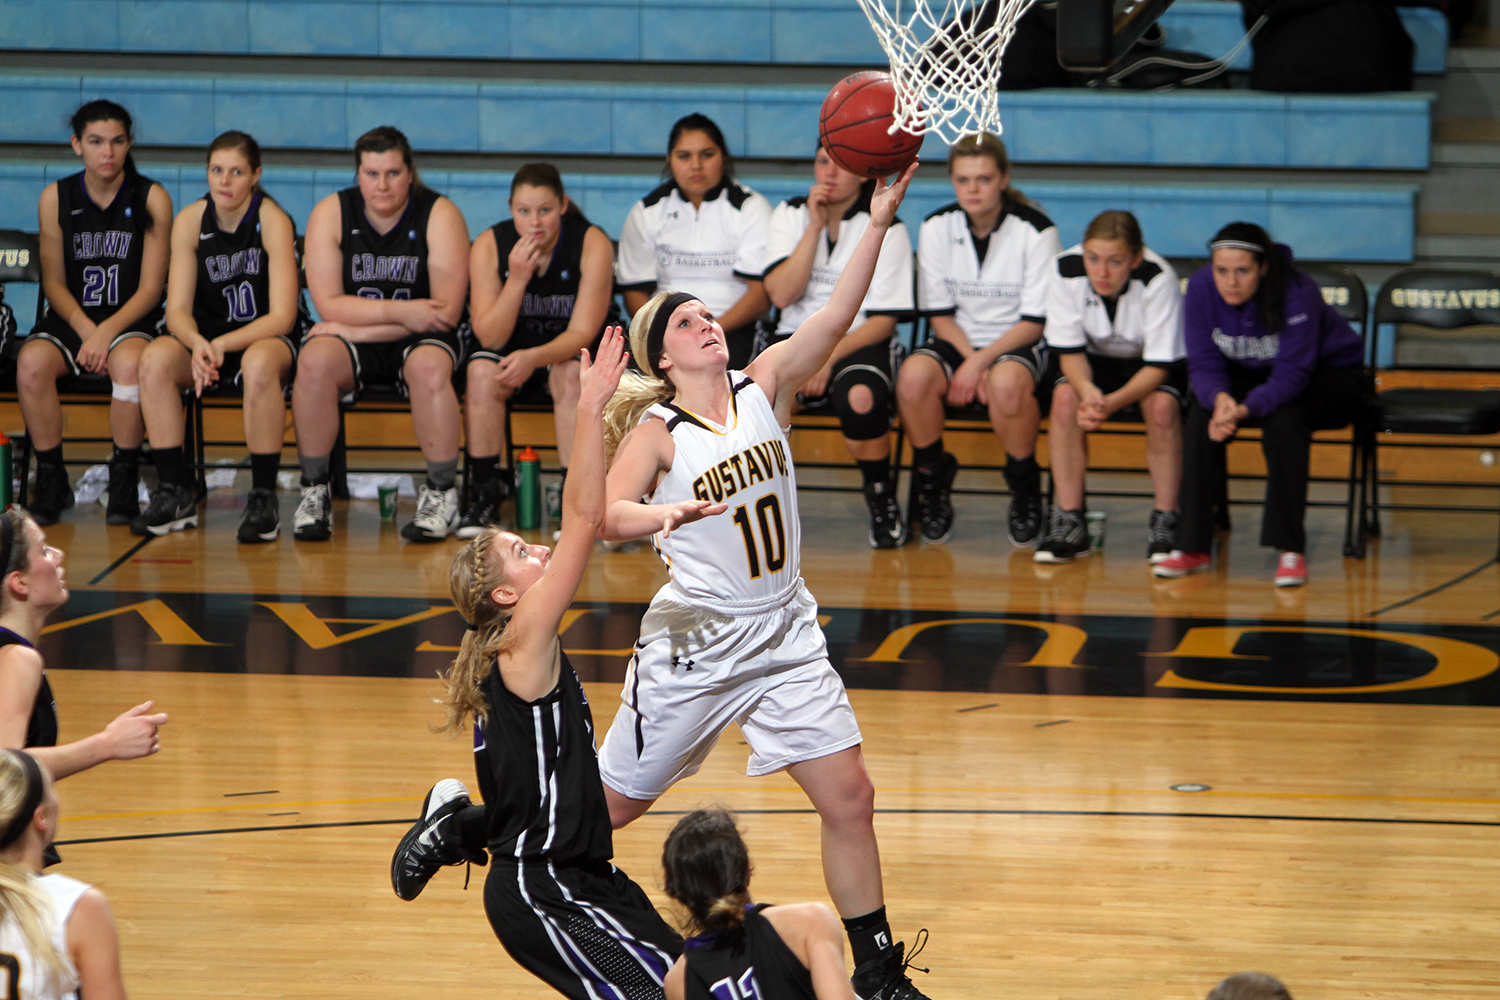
(945, 61)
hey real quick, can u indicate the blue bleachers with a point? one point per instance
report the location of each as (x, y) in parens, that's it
(828, 32)
(1204, 128)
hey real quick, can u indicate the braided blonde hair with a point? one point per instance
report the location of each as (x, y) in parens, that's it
(471, 581)
(638, 390)
(21, 898)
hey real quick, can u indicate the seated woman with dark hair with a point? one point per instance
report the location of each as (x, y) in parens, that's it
(1264, 350)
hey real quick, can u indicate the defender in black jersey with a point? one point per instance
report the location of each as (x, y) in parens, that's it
(541, 289)
(555, 901)
(32, 586)
(744, 950)
(235, 323)
(387, 266)
(103, 234)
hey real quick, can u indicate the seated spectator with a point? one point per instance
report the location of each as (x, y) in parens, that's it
(983, 263)
(787, 951)
(387, 266)
(541, 288)
(1249, 986)
(233, 316)
(104, 235)
(811, 239)
(1114, 336)
(1264, 350)
(700, 232)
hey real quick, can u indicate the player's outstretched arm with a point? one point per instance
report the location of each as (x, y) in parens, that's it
(644, 456)
(783, 368)
(539, 611)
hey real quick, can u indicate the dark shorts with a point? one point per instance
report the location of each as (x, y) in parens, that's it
(1111, 374)
(587, 931)
(66, 339)
(1034, 358)
(877, 362)
(385, 363)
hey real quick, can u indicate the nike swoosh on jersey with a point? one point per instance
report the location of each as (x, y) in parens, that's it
(205, 236)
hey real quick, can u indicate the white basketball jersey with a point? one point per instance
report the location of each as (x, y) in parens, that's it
(29, 978)
(752, 551)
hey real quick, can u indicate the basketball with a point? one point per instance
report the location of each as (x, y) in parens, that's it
(854, 126)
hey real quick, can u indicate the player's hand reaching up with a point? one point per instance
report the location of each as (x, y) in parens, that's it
(598, 379)
(133, 733)
(885, 200)
(686, 512)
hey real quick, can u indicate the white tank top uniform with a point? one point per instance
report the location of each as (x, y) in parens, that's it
(1147, 321)
(986, 298)
(890, 291)
(30, 978)
(711, 251)
(733, 636)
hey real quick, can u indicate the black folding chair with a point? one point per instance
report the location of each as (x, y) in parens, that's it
(1421, 301)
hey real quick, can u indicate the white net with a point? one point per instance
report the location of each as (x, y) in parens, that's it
(945, 61)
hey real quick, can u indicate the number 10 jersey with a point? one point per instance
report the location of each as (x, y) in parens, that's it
(752, 551)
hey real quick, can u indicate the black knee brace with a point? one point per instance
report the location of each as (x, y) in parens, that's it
(862, 426)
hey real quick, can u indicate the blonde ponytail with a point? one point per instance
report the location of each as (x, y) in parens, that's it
(638, 390)
(21, 899)
(470, 582)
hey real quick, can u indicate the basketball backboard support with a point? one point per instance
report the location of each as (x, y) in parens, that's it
(1092, 35)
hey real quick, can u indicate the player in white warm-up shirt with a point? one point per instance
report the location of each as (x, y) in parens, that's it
(700, 232)
(1114, 331)
(733, 637)
(812, 240)
(983, 264)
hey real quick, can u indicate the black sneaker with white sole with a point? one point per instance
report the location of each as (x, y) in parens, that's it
(932, 501)
(261, 521)
(1067, 537)
(1161, 536)
(483, 512)
(887, 530)
(885, 978)
(433, 841)
(172, 508)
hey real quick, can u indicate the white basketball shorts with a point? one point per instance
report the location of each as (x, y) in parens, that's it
(697, 669)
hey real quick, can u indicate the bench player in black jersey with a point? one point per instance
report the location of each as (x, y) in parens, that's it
(743, 950)
(104, 234)
(541, 288)
(232, 312)
(388, 267)
(555, 901)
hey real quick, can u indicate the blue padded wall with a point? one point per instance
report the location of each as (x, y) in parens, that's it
(826, 32)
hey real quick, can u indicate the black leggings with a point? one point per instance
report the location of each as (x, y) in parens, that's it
(1331, 400)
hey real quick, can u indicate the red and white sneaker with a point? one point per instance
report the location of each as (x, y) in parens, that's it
(1181, 563)
(1291, 570)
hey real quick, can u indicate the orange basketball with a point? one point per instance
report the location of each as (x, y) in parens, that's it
(853, 126)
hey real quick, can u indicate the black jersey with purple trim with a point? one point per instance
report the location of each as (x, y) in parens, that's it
(539, 773)
(234, 285)
(547, 307)
(103, 247)
(752, 963)
(389, 265)
(41, 728)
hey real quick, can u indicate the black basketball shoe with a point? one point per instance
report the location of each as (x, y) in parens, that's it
(1161, 536)
(1067, 537)
(433, 841)
(52, 494)
(124, 493)
(887, 530)
(1025, 518)
(933, 501)
(885, 978)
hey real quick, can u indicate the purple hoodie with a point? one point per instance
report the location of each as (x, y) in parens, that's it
(1219, 334)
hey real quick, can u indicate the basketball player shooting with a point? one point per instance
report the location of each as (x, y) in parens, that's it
(733, 636)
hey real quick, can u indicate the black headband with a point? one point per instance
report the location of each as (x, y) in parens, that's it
(658, 331)
(34, 788)
(471, 627)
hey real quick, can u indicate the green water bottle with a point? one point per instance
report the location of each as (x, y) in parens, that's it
(7, 484)
(528, 491)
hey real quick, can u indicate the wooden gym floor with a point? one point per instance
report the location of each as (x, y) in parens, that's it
(1091, 784)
